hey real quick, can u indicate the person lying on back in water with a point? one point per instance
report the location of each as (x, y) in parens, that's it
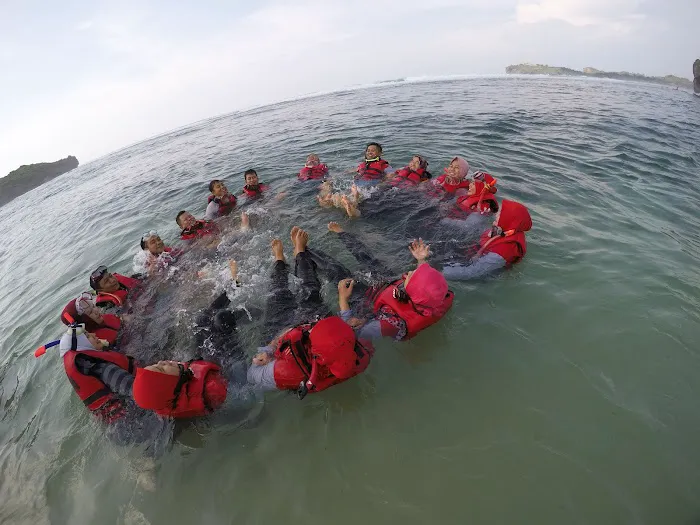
(312, 355)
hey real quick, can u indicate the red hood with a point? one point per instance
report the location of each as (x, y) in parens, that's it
(427, 288)
(333, 343)
(514, 216)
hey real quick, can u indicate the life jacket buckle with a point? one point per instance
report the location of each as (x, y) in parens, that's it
(302, 390)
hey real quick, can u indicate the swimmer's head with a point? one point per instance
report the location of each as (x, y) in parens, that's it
(102, 280)
(458, 169)
(312, 161)
(373, 151)
(417, 163)
(185, 219)
(427, 289)
(251, 178)
(152, 242)
(513, 216)
(217, 188)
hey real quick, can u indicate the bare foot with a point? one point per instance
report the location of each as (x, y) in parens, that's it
(293, 233)
(245, 221)
(355, 192)
(335, 227)
(278, 249)
(350, 207)
(300, 241)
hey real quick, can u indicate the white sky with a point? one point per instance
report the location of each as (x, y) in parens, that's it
(86, 78)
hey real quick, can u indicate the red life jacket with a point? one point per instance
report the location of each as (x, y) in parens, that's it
(296, 361)
(373, 170)
(106, 405)
(118, 297)
(108, 330)
(191, 400)
(415, 320)
(406, 174)
(201, 228)
(254, 193)
(512, 246)
(226, 203)
(451, 188)
(483, 203)
(317, 172)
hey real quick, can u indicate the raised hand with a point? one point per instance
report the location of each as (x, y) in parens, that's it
(420, 250)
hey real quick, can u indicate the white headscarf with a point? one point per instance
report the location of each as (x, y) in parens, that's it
(83, 343)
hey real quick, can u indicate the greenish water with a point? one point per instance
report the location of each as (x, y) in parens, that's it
(563, 391)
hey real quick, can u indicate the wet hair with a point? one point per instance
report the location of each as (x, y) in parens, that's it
(211, 185)
(180, 213)
(249, 172)
(143, 244)
(377, 144)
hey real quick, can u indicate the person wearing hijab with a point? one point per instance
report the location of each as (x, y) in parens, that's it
(500, 246)
(454, 178)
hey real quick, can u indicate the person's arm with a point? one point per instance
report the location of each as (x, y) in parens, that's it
(484, 265)
(212, 209)
(114, 377)
(262, 377)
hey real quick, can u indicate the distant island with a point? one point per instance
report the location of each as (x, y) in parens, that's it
(541, 69)
(30, 176)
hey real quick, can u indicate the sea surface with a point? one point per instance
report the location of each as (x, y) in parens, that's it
(563, 391)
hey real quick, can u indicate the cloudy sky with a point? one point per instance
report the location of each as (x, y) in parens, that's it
(86, 78)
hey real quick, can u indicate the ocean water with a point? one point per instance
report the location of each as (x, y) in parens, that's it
(563, 391)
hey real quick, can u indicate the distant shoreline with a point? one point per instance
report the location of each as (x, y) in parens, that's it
(542, 69)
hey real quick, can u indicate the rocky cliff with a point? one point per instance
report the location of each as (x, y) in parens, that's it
(541, 69)
(30, 176)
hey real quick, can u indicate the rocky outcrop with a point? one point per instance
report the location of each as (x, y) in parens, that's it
(541, 69)
(28, 177)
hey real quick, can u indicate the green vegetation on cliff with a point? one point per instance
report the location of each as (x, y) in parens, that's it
(541, 69)
(30, 176)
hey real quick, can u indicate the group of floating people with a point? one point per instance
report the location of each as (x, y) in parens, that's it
(305, 348)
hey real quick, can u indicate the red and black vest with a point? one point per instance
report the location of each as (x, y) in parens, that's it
(511, 246)
(118, 297)
(296, 361)
(190, 400)
(317, 172)
(201, 228)
(415, 320)
(482, 203)
(372, 170)
(254, 192)
(226, 203)
(104, 403)
(448, 187)
(408, 175)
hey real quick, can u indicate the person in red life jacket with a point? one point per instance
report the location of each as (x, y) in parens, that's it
(499, 247)
(103, 381)
(308, 357)
(400, 308)
(83, 310)
(193, 229)
(154, 255)
(180, 390)
(220, 201)
(112, 289)
(253, 187)
(373, 169)
(313, 169)
(453, 181)
(413, 174)
(481, 195)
